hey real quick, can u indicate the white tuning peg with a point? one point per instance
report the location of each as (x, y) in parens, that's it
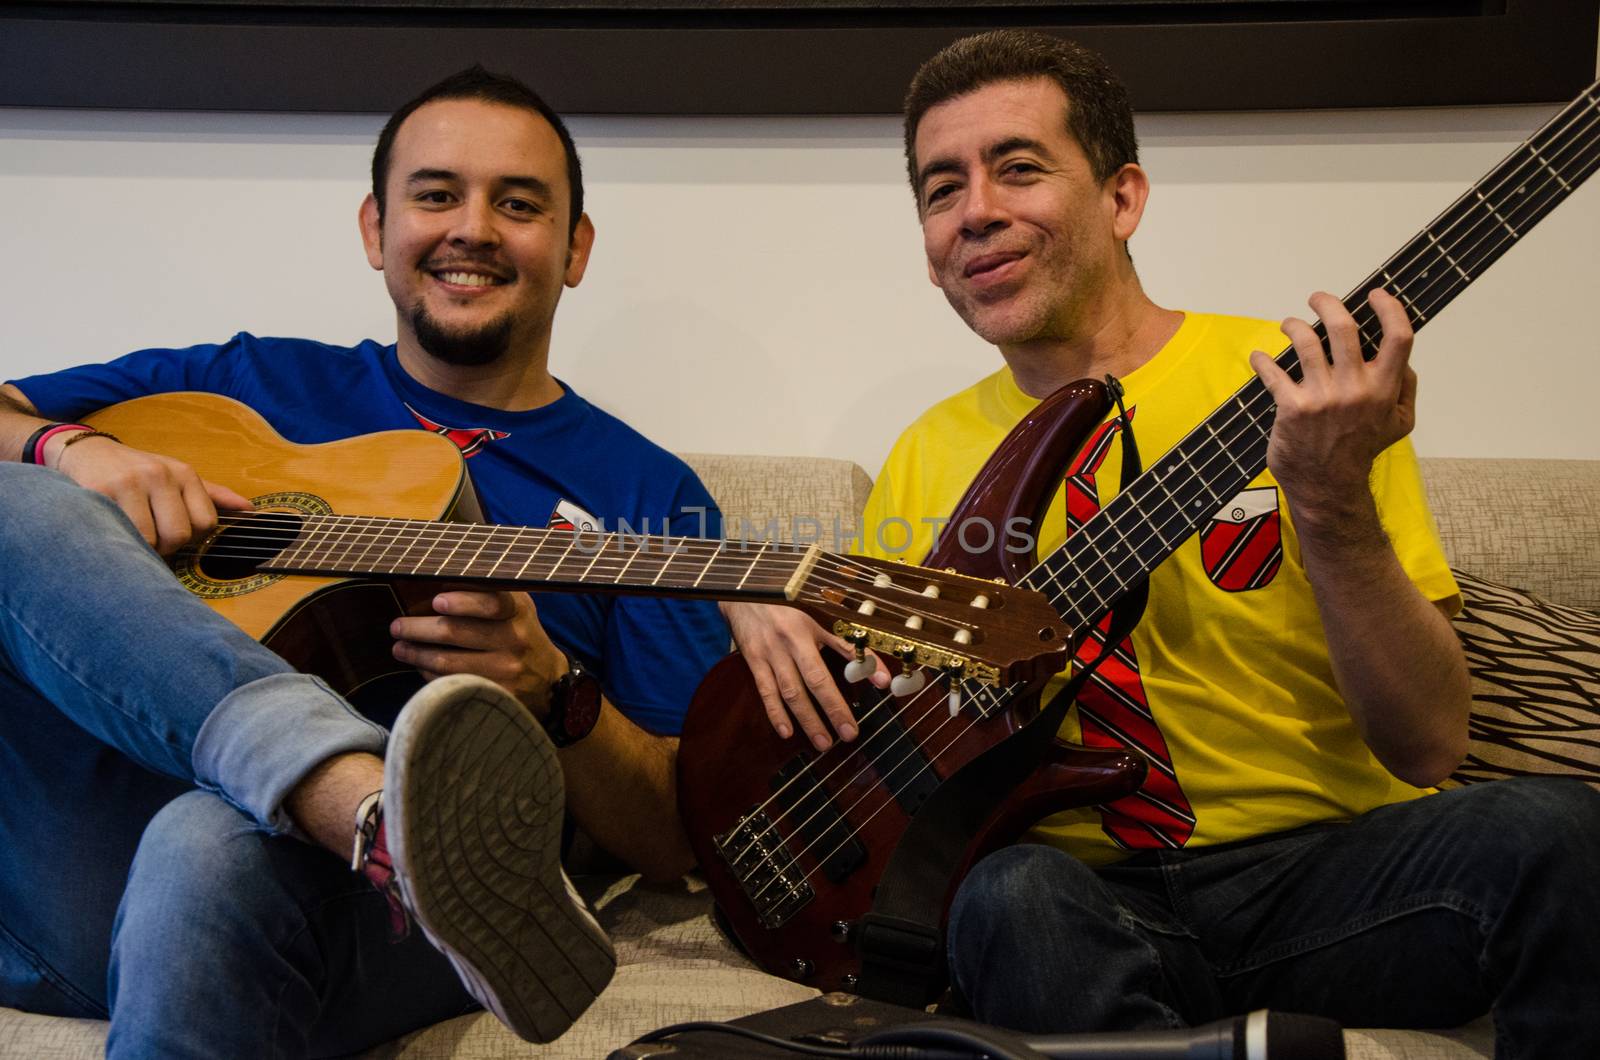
(952, 679)
(908, 683)
(859, 669)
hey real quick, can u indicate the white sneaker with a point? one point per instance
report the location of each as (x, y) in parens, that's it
(472, 811)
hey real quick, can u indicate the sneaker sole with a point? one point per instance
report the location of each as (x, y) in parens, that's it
(473, 802)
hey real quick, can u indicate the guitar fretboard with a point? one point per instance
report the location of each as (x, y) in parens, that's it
(1160, 509)
(527, 557)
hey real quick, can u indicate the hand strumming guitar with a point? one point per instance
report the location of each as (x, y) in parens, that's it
(167, 502)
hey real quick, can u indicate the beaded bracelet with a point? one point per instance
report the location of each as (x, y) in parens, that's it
(81, 435)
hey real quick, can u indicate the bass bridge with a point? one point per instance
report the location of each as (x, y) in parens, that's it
(768, 871)
(765, 869)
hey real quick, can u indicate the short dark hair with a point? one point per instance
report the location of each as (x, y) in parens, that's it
(1098, 113)
(477, 83)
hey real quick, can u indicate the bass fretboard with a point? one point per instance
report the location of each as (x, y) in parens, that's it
(1145, 523)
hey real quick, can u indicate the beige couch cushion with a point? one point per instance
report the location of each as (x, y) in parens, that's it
(795, 496)
(1532, 524)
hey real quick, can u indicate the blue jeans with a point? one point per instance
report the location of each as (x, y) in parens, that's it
(148, 871)
(1421, 914)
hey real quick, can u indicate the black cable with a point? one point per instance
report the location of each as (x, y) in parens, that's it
(804, 1048)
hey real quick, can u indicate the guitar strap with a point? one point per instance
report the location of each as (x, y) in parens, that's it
(901, 940)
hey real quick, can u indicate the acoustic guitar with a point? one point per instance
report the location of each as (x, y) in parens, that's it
(348, 535)
(794, 843)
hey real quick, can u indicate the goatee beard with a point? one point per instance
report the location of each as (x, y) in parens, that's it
(480, 346)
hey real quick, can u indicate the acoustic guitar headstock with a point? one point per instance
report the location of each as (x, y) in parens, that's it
(973, 628)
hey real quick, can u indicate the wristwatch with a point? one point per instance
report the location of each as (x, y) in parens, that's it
(574, 706)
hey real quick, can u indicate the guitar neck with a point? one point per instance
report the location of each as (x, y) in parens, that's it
(1145, 523)
(527, 558)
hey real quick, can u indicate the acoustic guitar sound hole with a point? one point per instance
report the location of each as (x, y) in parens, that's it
(240, 548)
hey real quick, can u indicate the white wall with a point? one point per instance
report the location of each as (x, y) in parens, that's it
(758, 283)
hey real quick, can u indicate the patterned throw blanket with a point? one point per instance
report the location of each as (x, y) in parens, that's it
(1535, 685)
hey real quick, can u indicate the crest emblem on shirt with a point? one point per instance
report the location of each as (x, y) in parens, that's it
(470, 440)
(568, 516)
(1242, 545)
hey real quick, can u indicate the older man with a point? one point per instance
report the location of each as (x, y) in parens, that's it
(1296, 692)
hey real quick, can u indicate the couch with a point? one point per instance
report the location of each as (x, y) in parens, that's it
(1531, 525)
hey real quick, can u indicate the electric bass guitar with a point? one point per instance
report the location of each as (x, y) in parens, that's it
(794, 843)
(346, 536)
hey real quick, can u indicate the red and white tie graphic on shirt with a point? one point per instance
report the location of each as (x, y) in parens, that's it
(470, 440)
(1113, 710)
(568, 516)
(1242, 545)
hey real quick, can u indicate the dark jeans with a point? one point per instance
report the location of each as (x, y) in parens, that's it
(1421, 914)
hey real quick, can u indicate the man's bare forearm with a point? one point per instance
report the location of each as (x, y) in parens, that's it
(18, 420)
(622, 788)
(1398, 663)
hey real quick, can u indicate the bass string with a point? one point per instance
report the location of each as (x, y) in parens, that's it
(1001, 698)
(936, 700)
(892, 798)
(1583, 107)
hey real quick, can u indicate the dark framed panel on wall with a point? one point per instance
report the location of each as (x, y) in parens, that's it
(779, 56)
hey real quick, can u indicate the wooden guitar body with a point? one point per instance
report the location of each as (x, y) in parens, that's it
(825, 824)
(335, 628)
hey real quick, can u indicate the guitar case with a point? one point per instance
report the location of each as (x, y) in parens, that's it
(832, 1019)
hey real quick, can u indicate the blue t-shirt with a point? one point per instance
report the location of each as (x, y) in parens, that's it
(566, 461)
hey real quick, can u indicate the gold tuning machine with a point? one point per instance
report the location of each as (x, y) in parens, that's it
(914, 653)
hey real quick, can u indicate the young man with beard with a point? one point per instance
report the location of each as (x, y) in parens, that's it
(180, 806)
(1284, 850)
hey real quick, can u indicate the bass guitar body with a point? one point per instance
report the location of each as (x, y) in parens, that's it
(335, 628)
(793, 841)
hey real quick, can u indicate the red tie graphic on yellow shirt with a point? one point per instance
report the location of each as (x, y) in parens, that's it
(1112, 708)
(1242, 545)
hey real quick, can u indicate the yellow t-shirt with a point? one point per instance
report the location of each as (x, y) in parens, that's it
(1229, 659)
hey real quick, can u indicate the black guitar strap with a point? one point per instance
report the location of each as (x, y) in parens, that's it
(901, 941)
